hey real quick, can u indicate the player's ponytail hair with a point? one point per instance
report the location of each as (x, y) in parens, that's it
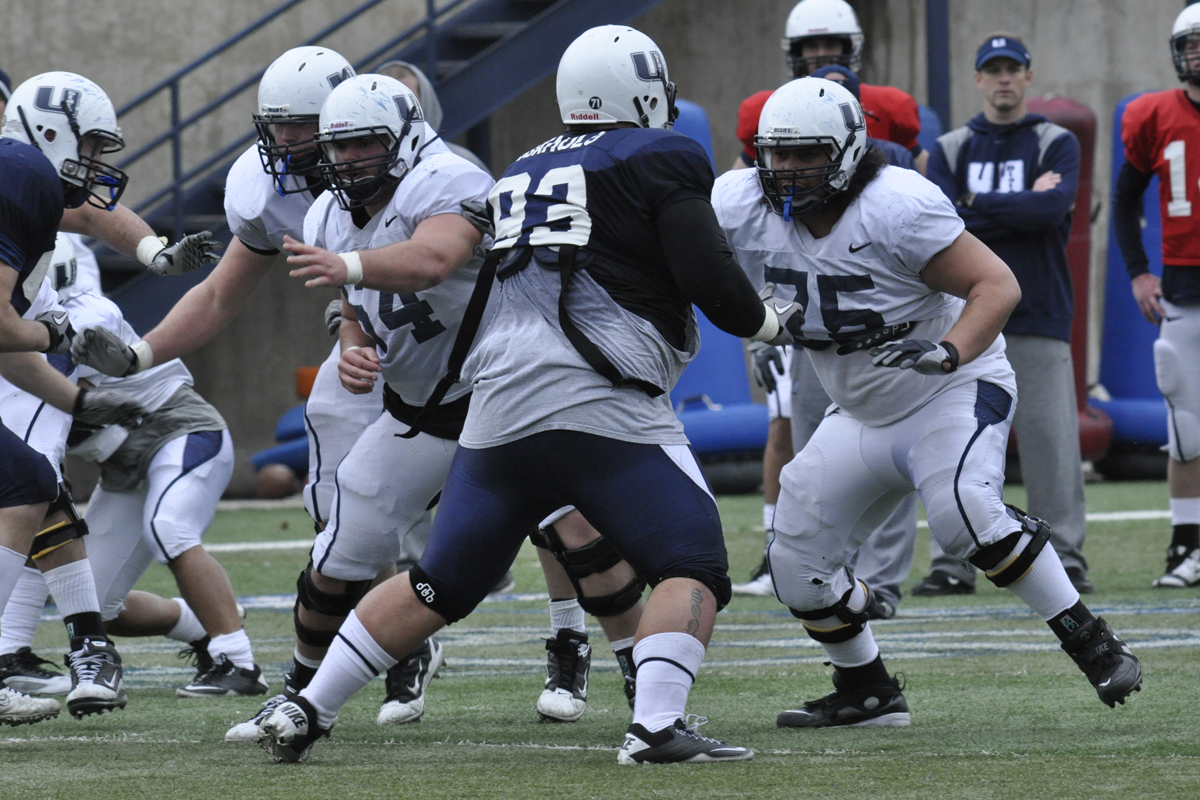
(869, 167)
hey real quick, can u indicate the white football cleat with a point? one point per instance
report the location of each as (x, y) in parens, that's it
(248, 731)
(568, 660)
(21, 709)
(289, 733)
(1183, 575)
(406, 684)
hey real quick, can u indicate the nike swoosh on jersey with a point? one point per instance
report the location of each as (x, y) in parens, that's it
(387, 223)
(854, 249)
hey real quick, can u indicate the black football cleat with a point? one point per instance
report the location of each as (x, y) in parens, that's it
(1109, 664)
(867, 707)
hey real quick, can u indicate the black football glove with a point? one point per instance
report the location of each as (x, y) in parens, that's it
(107, 407)
(762, 357)
(921, 355)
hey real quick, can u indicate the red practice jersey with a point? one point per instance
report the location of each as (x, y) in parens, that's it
(891, 114)
(1161, 133)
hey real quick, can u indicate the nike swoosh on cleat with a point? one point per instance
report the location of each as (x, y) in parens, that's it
(1106, 683)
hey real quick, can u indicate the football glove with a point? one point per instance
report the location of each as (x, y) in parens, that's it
(479, 215)
(189, 253)
(59, 325)
(786, 313)
(333, 316)
(921, 355)
(107, 407)
(762, 357)
(875, 336)
(103, 351)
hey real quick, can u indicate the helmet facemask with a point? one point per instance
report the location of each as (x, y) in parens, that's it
(86, 179)
(791, 192)
(1183, 60)
(802, 66)
(298, 159)
(359, 182)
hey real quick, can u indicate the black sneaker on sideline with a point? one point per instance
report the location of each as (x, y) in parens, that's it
(1109, 664)
(869, 707)
(1079, 580)
(406, 684)
(25, 672)
(675, 744)
(940, 584)
(568, 659)
(226, 679)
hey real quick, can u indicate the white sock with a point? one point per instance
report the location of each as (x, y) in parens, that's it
(667, 664)
(565, 614)
(856, 652)
(23, 611)
(236, 646)
(1046, 588)
(188, 629)
(353, 660)
(11, 564)
(305, 661)
(1185, 510)
(768, 519)
(73, 588)
(622, 644)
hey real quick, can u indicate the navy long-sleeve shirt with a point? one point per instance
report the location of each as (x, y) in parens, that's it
(998, 164)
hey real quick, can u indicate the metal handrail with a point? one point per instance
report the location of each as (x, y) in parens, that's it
(178, 123)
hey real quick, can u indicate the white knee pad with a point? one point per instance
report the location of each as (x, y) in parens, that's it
(1178, 384)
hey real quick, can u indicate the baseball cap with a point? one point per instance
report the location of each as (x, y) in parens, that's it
(1002, 47)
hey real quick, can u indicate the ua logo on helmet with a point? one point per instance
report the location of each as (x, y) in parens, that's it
(595, 102)
(411, 113)
(346, 74)
(647, 72)
(70, 99)
(426, 592)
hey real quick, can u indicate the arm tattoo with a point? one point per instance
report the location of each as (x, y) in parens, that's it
(693, 625)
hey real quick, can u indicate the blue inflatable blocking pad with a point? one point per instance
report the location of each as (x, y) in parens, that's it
(293, 454)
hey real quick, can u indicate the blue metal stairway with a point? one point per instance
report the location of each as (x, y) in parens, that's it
(480, 55)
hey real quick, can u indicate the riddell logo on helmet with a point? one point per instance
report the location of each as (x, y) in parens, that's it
(341, 125)
(583, 115)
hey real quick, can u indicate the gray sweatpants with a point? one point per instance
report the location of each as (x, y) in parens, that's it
(884, 561)
(1047, 429)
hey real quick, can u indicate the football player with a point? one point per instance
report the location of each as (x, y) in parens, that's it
(604, 237)
(408, 263)
(1161, 133)
(819, 33)
(57, 128)
(900, 313)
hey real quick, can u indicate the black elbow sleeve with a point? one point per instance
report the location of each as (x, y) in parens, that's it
(1127, 218)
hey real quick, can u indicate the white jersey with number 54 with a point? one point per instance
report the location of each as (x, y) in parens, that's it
(414, 332)
(865, 274)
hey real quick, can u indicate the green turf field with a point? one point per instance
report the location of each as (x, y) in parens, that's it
(998, 711)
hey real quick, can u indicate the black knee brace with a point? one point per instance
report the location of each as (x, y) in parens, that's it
(618, 602)
(313, 599)
(54, 537)
(1000, 564)
(593, 558)
(853, 622)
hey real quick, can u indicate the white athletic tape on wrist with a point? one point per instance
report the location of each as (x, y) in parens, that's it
(145, 356)
(149, 247)
(770, 326)
(354, 270)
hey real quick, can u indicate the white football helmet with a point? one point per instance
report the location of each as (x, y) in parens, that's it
(363, 112)
(63, 267)
(804, 113)
(292, 91)
(54, 112)
(1186, 24)
(614, 73)
(825, 19)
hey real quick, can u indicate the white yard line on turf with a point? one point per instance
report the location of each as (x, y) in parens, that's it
(304, 544)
